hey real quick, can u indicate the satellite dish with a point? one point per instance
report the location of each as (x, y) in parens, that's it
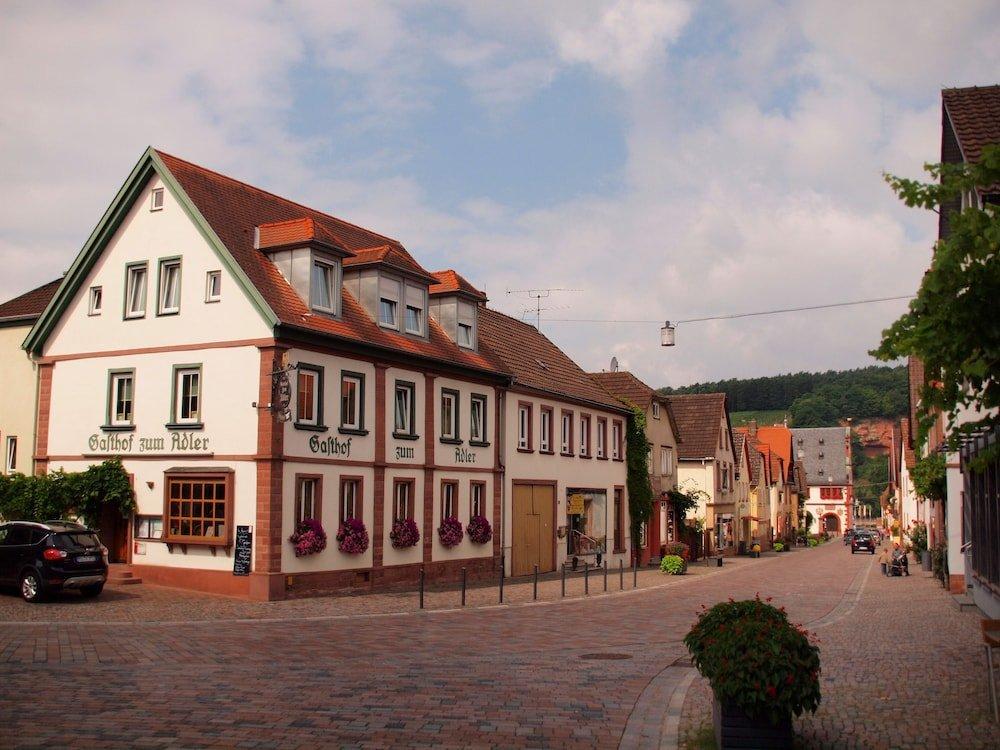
(614, 364)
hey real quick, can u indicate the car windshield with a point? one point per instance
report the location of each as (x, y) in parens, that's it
(76, 539)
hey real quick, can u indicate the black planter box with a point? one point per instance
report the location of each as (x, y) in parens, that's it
(734, 729)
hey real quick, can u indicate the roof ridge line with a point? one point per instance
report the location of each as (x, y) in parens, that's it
(279, 197)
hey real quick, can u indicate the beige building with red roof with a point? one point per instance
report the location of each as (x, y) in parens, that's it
(262, 364)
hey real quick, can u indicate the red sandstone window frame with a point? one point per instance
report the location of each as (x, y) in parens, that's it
(545, 436)
(180, 478)
(317, 515)
(453, 483)
(359, 498)
(481, 486)
(566, 441)
(585, 424)
(411, 484)
(602, 439)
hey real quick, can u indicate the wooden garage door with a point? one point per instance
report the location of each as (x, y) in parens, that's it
(533, 516)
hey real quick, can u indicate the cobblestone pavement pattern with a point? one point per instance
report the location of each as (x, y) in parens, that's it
(509, 676)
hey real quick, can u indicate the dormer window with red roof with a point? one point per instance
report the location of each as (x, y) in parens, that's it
(324, 286)
(455, 306)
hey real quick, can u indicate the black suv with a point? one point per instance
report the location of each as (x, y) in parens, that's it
(51, 556)
(862, 542)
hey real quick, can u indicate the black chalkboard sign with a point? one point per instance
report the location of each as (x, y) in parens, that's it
(244, 551)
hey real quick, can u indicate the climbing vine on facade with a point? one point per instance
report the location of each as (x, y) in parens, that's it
(640, 491)
(64, 495)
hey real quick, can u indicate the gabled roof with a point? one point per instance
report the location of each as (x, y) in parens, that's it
(699, 418)
(452, 282)
(740, 447)
(301, 231)
(759, 465)
(538, 364)
(392, 256)
(823, 454)
(779, 438)
(628, 389)
(975, 116)
(27, 307)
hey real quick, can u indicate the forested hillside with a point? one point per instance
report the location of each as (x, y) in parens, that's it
(816, 399)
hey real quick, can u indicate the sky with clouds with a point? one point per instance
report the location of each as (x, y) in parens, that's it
(665, 159)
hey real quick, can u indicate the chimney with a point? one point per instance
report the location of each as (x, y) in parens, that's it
(752, 429)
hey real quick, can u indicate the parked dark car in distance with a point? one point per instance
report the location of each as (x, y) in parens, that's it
(862, 542)
(848, 536)
(40, 558)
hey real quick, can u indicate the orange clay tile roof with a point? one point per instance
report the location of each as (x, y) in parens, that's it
(451, 282)
(975, 115)
(234, 209)
(294, 231)
(393, 256)
(699, 417)
(780, 440)
(29, 305)
(536, 363)
(627, 388)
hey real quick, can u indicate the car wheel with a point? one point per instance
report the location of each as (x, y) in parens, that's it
(31, 587)
(90, 592)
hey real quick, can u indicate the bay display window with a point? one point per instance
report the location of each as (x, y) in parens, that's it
(585, 435)
(213, 286)
(402, 499)
(545, 436)
(566, 443)
(135, 290)
(602, 438)
(308, 497)
(10, 455)
(466, 324)
(587, 521)
(449, 499)
(350, 498)
(477, 420)
(96, 300)
(352, 401)
(405, 410)
(524, 427)
(416, 306)
(388, 302)
(148, 527)
(187, 386)
(324, 286)
(477, 499)
(199, 508)
(121, 398)
(170, 287)
(449, 415)
(616, 440)
(309, 396)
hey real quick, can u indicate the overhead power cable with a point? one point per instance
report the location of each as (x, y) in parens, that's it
(737, 315)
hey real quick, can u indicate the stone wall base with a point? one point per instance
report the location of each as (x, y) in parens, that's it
(956, 584)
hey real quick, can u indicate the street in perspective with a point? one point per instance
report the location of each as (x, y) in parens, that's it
(606, 375)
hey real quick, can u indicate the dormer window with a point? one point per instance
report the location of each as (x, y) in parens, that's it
(656, 410)
(415, 315)
(465, 335)
(388, 303)
(323, 287)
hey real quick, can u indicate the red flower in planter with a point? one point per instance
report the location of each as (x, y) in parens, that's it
(450, 531)
(404, 533)
(352, 537)
(309, 538)
(479, 530)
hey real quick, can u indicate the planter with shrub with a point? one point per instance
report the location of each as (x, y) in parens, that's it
(814, 542)
(479, 530)
(404, 533)
(309, 538)
(450, 532)
(779, 547)
(675, 565)
(352, 537)
(762, 669)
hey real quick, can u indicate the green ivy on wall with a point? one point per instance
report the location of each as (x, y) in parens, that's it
(640, 491)
(62, 494)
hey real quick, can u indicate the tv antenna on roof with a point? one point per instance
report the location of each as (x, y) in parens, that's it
(614, 364)
(538, 295)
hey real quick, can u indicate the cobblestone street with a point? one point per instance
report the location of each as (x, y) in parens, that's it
(604, 671)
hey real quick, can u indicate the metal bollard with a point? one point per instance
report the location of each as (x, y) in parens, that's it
(605, 575)
(501, 584)
(564, 580)
(720, 562)
(635, 573)
(463, 586)
(586, 578)
(421, 588)
(621, 575)
(534, 590)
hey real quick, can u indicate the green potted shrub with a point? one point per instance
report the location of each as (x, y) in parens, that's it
(675, 565)
(762, 669)
(779, 547)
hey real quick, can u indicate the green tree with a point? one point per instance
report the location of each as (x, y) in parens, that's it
(951, 325)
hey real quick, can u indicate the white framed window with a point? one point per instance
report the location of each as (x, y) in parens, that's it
(602, 437)
(148, 527)
(323, 287)
(669, 460)
(449, 499)
(306, 499)
(96, 300)
(477, 419)
(352, 391)
(402, 500)
(656, 410)
(350, 498)
(404, 408)
(584, 434)
(524, 427)
(170, 286)
(416, 303)
(566, 444)
(187, 394)
(388, 302)
(213, 286)
(664, 462)
(10, 455)
(616, 440)
(545, 430)
(135, 290)
(121, 398)
(309, 396)
(156, 199)
(466, 331)
(449, 415)
(477, 499)
(465, 335)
